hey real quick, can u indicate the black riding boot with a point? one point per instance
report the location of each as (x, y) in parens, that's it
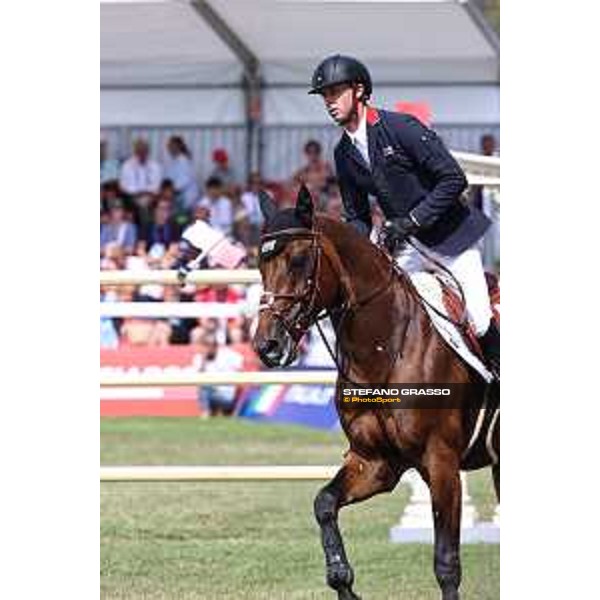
(490, 344)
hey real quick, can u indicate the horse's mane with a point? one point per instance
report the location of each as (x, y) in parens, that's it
(350, 244)
(350, 241)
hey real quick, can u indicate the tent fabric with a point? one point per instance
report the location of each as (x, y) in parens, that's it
(161, 43)
(164, 70)
(400, 41)
(169, 44)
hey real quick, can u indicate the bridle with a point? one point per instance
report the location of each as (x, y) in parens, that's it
(295, 325)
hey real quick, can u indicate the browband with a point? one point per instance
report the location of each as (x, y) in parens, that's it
(273, 243)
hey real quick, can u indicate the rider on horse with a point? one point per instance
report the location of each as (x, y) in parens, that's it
(417, 183)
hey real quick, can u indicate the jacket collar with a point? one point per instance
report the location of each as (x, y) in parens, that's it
(373, 119)
(373, 116)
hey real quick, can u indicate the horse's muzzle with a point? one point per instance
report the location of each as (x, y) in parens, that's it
(270, 352)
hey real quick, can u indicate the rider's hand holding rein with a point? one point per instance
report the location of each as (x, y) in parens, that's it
(397, 231)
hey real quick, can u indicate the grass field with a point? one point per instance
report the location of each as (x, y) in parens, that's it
(255, 540)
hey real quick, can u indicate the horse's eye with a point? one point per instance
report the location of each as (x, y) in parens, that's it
(297, 263)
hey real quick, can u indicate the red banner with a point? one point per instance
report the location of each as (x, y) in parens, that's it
(151, 400)
(419, 110)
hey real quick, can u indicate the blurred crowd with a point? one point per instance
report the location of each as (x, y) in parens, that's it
(144, 207)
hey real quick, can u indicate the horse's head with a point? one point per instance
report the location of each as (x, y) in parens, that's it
(298, 279)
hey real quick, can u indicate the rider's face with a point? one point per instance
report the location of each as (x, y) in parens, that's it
(339, 102)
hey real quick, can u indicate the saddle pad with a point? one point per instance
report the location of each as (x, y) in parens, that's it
(429, 288)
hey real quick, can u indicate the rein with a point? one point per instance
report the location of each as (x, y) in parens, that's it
(297, 326)
(462, 322)
(268, 299)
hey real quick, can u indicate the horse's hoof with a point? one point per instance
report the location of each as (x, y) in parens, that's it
(340, 575)
(451, 595)
(347, 594)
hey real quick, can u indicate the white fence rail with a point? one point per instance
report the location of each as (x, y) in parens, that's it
(169, 277)
(166, 379)
(176, 310)
(218, 473)
(480, 170)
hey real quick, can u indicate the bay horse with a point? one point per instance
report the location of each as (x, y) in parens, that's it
(312, 264)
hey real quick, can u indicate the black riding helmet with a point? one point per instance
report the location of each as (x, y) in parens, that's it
(338, 69)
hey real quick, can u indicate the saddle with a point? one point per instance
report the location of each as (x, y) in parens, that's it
(446, 309)
(455, 309)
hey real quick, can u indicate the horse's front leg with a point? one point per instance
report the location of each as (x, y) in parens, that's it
(358, 479)
(443, 477)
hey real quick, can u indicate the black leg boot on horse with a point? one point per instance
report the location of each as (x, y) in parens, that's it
(356, 481)
(490, 346)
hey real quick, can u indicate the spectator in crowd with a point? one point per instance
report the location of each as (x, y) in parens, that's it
(219, 206)
(238, 340)
(109, 191)
(161, 235)
(251, 204)
(217, 399)
(202, 213)
(203, 327)
(487, 145)
(316, 172)
(219, 292)
(167, 191)
(117, 231)
(138, 331)
(109, 335)
(334, 205)
(112, 258)
(486, 200)
(222, 169)
(241, 230)
(140, 179)
(180, 170)
(289, 194)
(109, 338)
(109, 168)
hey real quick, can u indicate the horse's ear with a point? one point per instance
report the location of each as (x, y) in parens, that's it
(267, 205)
(304, 206)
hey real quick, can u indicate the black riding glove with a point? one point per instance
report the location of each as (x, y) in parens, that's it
(397, 231)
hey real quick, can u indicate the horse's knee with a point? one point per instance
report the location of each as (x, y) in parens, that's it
(325, 506)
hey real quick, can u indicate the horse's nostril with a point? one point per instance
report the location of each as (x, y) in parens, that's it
(268, 346)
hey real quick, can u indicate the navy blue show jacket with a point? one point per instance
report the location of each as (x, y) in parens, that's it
(412, 174)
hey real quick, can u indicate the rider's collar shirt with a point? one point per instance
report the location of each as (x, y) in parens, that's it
(359, 138)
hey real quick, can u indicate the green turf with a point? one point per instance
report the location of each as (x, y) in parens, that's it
(252, 540)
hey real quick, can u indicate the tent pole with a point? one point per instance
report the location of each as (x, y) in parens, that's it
(251, 82)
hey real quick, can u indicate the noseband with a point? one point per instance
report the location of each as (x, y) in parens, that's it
(297, 325)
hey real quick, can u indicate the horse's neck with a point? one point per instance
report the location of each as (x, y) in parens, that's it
(364, 266)
(371, 331)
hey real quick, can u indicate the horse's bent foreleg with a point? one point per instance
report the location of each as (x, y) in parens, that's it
(443, 476)
(358, 479)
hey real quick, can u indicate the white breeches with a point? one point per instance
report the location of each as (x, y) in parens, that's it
(468, 270)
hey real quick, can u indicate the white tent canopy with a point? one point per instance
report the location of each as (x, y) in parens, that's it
(168, 43)
(163, 63)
